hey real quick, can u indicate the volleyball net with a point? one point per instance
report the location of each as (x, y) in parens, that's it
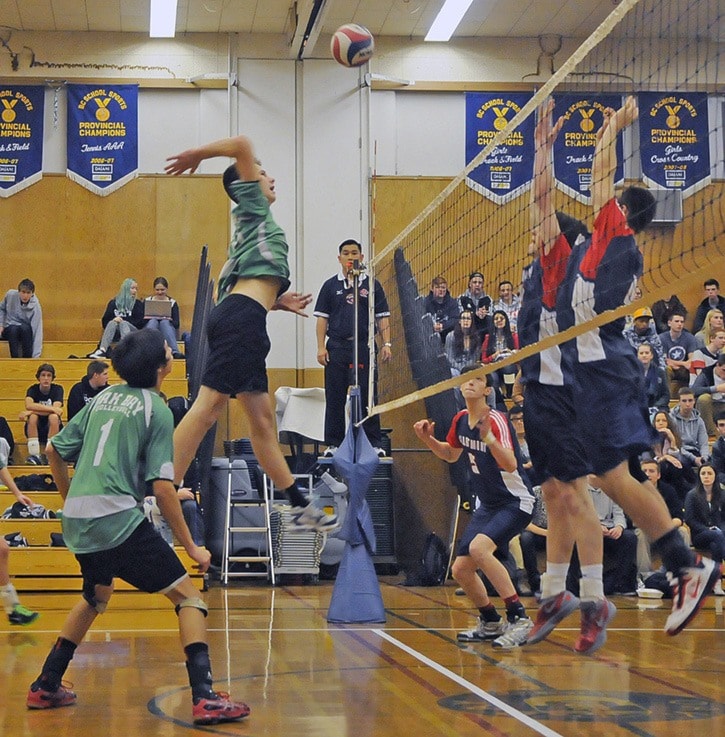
(667, 54)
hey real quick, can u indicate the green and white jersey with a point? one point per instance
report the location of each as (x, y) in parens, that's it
(120, 441)
(4, 453)
(259, 246)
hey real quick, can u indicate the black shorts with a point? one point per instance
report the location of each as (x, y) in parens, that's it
(238, 346)
(555, 443)
(144, 560)
(43, 427)
(500, 525)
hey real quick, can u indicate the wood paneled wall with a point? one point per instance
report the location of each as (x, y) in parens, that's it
(78, 247)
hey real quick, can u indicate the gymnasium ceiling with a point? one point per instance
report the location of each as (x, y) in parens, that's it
(497, 18)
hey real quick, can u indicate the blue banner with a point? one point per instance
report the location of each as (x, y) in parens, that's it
(21, 137)
(507, 170)
(574, 146)
(673, 136)
(102, 135)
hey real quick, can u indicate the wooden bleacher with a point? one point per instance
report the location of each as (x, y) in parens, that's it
(41, 567)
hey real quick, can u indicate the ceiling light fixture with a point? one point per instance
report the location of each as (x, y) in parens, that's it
(447, 20)
(162, 22)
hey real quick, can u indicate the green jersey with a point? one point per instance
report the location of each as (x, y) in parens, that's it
(121, 441)
(259, 246)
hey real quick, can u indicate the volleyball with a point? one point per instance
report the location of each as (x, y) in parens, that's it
(352, 45)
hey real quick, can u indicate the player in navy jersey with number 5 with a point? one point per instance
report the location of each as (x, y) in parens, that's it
(612, 413)
(506, 504)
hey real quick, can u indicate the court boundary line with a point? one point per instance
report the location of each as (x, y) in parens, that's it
(483, 695)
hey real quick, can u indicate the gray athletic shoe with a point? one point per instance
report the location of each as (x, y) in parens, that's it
(483, 631)
(515, 635)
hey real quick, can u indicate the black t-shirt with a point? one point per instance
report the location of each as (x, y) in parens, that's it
(55, 394)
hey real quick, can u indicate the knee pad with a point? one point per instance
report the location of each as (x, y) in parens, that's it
(194, 603)
(93, 603)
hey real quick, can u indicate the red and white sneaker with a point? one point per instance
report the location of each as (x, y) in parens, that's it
(551, 611)
(689, 590)
(596, 615)
(39, 698)
(219, 709)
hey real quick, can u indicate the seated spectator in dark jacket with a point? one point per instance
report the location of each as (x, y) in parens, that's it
(21, 321)
(498, 344)
(690, 426)
(442, 307)
(709, 390)
(124, 314)
(533, 540)
(676, 463)
(675, 507)
(679, 345)
(93, 383)
(477, 302)
(713, 300)
(704, 515)
(718, 447)
(655, 380)
(662, 309)
(642, 330)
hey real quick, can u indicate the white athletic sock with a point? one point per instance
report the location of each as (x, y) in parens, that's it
(590, 585)
(553, 582)
(34, 446)
(9, 597)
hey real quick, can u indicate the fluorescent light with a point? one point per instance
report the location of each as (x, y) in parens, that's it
(447, 20)
(163, 19)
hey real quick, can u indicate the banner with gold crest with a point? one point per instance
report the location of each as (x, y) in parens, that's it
(506, 172)
(102, 135)
(674, 134)
(21, 137)
(574, 146)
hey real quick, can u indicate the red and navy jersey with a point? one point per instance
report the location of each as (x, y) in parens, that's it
(493, 486)
(537, 316)
(602, 274)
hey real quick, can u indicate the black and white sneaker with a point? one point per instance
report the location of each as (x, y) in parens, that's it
(312, 518)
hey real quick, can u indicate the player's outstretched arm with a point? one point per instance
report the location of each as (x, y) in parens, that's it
(238, 148)
(293, 302)
(604, 163)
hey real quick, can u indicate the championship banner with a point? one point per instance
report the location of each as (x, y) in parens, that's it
(673, 137)
(507, 171)
(574, 146)
(102, 136)
(21, 137)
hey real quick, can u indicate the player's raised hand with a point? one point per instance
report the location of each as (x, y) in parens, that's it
(424, 429)
(186, 160)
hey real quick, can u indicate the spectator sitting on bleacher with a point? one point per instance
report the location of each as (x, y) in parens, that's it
(713, 300)
(477, 302)
(642, 331)
(498, 344)
(17, 614)
(509, 302)
(93, 383)
(21, 321)
(709, 390)
(675, 507)
(704, 516)
(168, 326)
(676, 463)
(663, 308)
(717, 456)
(123, 315)
(655, 379)
(442, 306)
(679, 345)
(463, 344)
(707, 355)
(42, 413)
(713, 321)
(533, 540)
(690, 426)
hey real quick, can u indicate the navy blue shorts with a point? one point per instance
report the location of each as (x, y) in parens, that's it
(612, 413)
(143, 559)
(238, 346)
(555, 444)
(500, 525)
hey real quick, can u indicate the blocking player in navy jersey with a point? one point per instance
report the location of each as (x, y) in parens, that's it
(506, 503)
(559, 458)
(253, 281)
(120, 442)
(612, 413)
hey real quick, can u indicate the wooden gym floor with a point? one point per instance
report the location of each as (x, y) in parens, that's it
(273, 648)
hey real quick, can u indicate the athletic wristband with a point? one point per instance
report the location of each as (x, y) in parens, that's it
(490, 437)
(387, 345)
